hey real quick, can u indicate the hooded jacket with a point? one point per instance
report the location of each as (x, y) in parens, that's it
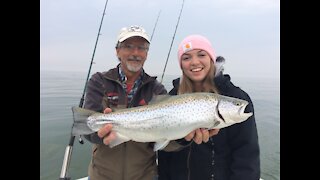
(232, 154)
(129, 160)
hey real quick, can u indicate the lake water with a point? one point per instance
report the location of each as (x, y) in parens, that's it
(59, 91)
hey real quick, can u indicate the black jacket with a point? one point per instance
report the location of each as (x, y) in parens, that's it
(232, 154)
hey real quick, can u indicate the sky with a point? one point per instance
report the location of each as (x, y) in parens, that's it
(245, 32)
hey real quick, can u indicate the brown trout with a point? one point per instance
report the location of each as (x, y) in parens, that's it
(164, 119)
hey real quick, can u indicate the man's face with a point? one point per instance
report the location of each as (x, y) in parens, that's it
(133, 53)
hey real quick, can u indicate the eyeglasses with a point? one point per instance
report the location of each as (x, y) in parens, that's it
(131, 47)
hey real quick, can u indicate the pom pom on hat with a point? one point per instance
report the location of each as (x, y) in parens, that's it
(196, 42)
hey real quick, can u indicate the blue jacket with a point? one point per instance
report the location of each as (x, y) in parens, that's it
(232, 154)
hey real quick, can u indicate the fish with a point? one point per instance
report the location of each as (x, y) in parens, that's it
(165, 118)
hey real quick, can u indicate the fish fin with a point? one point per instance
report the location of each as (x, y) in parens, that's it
(119, 107)
(80, 126)
(159, 145)
(158, 98)
(118, 140)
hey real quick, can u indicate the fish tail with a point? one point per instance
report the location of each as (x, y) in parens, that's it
(80, 126)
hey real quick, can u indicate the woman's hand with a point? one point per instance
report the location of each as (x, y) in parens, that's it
(201, 135)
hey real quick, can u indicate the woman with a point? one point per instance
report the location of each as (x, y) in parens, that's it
(233, 153)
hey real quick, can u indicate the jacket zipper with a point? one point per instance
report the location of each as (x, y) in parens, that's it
(188, 161)
(124, 161)
(128, 105)
(124, 144)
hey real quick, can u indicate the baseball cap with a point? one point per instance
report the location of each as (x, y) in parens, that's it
(128, 32)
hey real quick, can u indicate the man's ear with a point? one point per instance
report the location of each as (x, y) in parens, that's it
(117, 52)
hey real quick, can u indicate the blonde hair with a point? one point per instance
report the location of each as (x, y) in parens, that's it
(208, 85)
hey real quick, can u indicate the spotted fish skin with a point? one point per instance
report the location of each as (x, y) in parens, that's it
(166, 118)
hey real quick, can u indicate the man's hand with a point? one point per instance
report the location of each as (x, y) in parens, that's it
(201, 135)
(106, 131)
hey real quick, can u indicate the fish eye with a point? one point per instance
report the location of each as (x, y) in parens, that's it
(237, 103)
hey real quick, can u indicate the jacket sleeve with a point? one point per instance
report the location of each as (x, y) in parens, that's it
(93, 101)
(243, 138)
(159, 88)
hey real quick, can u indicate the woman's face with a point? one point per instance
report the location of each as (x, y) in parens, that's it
(196, 64)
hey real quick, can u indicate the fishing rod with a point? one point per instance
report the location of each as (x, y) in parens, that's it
(68, 151)
(155, 25)
(172, 42)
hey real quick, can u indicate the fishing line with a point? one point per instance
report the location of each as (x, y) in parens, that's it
(155, 25)
(164, 69)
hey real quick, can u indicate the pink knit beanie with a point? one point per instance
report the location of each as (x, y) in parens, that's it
(196, 42)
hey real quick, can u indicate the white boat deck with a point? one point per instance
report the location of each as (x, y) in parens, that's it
(86, 178)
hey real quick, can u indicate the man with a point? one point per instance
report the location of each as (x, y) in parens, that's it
(125, 86)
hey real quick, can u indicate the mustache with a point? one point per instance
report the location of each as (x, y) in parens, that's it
(134, 58)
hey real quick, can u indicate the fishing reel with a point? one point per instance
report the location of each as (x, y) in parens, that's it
(81, 140)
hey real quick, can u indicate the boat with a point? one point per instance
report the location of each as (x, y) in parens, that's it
(86, 178)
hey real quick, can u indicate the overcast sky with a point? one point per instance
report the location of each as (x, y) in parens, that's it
(245, 32)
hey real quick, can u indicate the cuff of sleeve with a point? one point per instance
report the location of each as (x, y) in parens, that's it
(183, 142)
(94, 138)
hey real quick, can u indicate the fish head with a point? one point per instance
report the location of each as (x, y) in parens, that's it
(231, 110)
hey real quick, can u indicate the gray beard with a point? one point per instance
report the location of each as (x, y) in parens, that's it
(133, 68)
